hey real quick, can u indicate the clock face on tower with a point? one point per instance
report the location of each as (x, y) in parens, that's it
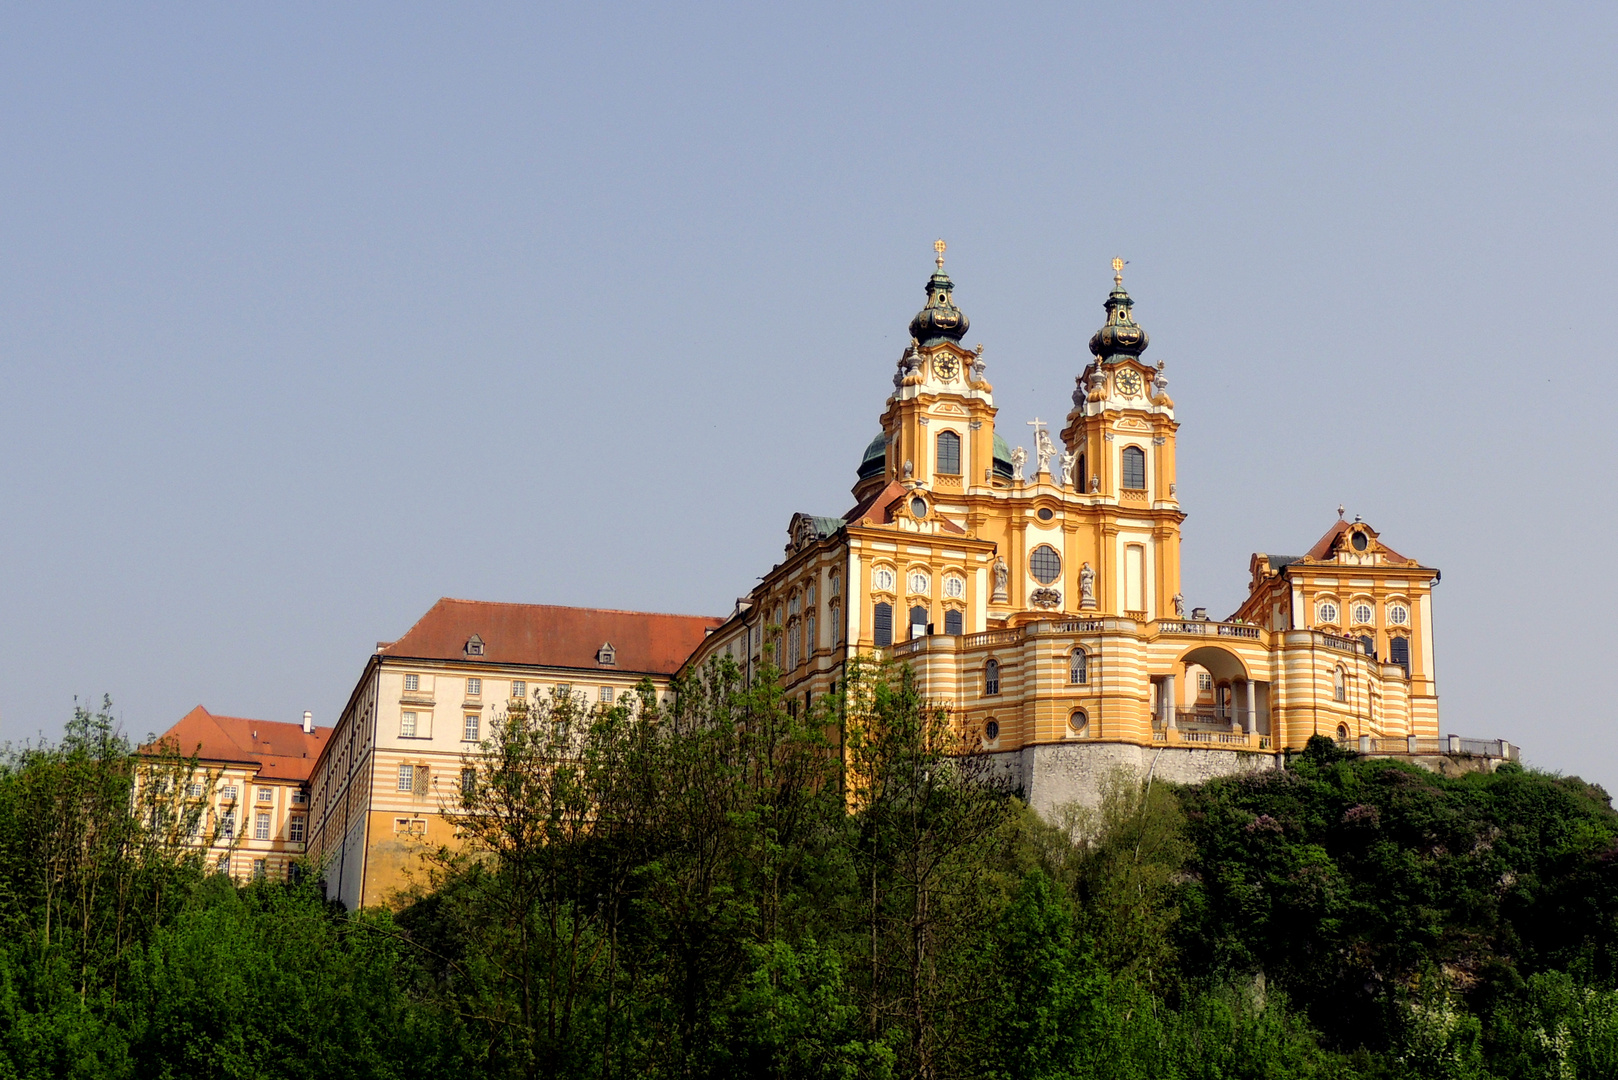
(1129, 382)
(946, 367)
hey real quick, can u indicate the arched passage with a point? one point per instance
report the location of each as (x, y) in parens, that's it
(1236, 692)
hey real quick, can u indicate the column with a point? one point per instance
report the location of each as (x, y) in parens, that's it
(1169, 701)
(1252, 707)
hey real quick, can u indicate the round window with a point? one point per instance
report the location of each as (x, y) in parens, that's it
(1078, 721)
(1046, 513)
(1362, 613)
(1360, 542)
(918, 506)
(954, 586)
(991, 730)
(1045, 564)
(1398, 614)
(1328, 612)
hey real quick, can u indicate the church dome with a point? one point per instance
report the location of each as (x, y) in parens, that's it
(1120, 336)
(1002, 458)
(876, 457)
(940, 320)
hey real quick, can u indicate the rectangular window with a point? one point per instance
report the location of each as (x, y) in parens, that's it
(227, 825)
(882, 625)
(407, 774)
(412, 683)
(295, 828)
(606, 695)
(300, 797)
(266, 794)
(949, 453)
(228, 793)
(258, 870)
(952, 623)
(261, 826)
(1135, 578)
(474, 687)
(423, 779)
(469, 727)
(194, 789)
(519, 689)
(1134, 463)
(469, 782)
(1204, 681)
(564, 690)
(811, 643)
(407, 725)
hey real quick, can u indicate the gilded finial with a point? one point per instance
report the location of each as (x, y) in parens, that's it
(1117, 271)
(938, 246)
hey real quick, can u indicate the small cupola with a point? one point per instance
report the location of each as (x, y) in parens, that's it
(940, 320)
(1120, 336)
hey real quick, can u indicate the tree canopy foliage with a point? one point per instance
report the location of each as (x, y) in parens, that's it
(714, 885)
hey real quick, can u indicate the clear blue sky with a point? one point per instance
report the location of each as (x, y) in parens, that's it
(311, 314)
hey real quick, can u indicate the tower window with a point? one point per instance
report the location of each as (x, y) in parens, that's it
(882, 624)
(1045, 564)
(1078, 667)
(991, 730)
(949, 453)
(952, 623)
(1134, 468)
(991, 677)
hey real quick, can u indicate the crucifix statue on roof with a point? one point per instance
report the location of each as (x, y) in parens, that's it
(1043, 447)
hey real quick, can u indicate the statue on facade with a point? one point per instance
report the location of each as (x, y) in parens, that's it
(1000, 577)
(1044, 449)
(1087, 587)
(1019, 458)
(1069, 459)
(978, 365)
(1179, 606)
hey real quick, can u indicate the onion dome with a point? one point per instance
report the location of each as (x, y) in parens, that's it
(1002, 458)
(940, 320)
(876, 457)
(1121, 336)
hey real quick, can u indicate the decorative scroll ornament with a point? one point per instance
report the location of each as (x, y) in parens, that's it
(1045, 598)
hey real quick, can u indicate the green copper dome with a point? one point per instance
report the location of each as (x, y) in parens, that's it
(1002, 458)
(1120, 336)
(876, 457)
(940, 319)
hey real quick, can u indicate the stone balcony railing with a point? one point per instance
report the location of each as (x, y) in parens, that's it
(1451, 745)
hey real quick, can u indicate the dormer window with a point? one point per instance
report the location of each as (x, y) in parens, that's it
(474, 646)
(607, 656)
(1360, 541)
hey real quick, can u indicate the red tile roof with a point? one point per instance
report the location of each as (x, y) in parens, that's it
(1327, 544)
(541, 635)
(282, 751)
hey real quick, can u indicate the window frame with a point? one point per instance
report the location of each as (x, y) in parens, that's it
(991, 677)
(882, 613)
(297, 828)
(952, 457)
(471, 727)
(406, 779)
(412, 683)
(474, 686)
(261, 826)
(1126, 455)
(408, 721)
(1078, 666)
(1042, 554)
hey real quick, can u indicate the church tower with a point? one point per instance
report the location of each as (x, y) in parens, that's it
(1120, 437)
(938, 428)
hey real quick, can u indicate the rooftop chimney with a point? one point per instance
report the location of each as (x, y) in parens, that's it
(308, 722)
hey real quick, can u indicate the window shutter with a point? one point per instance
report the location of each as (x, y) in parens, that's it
(423, 778)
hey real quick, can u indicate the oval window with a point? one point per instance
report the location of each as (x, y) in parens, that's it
(1079, 721)
(1045, 564)
(1360, 542)
(991, 730)
(1046, 513)
(918, 506)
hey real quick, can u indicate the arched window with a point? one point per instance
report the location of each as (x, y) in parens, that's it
(1339, 685)
(952, 623)
(949, 453)
(1081, 475)
(1342, 732)
(991, 677)
(810, 644)
(1078, 667)
(1134, 460)
(882, 624)
(1399, 652)
(918, 621)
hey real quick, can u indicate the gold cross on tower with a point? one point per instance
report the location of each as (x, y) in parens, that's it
(938, 246)
(1117, 271)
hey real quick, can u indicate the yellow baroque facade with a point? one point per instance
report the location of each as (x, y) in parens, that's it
(1038, 596)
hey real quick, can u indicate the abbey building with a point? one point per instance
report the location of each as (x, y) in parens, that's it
(1036, 597)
